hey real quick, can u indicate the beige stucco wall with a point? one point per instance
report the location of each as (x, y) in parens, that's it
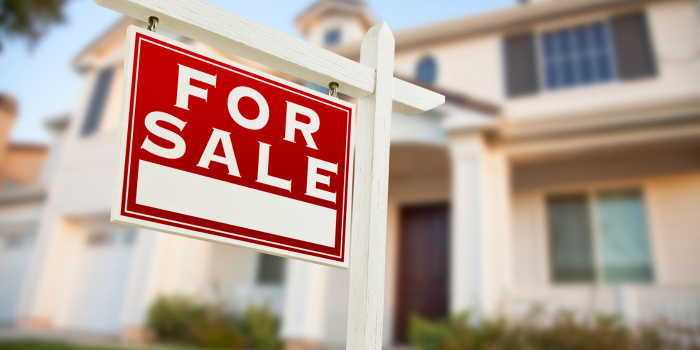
(674, 227)
(675, 203)
(470, 65)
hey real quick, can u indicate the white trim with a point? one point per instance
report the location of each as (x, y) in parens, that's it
(591, 192)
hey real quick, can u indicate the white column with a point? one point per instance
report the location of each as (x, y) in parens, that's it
(139, 292)
(305, 301)
(480, 265)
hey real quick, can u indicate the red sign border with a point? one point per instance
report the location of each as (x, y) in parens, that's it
(120, 212)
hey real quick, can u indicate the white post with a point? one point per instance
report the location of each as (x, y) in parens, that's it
(467, 290)
(366, 304)
(305, 303)
(481, 264)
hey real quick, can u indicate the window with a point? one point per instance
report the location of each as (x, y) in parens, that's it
(97, 104)
(426, 71)
(125, 236)
(270, 269)
(616, 49)
(578, 56)
(332, 37)
(599, 237)
(571, 246)
(99, 239)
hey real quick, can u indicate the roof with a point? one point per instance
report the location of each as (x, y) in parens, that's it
(9, 104)
(500, 20)
(513, 18)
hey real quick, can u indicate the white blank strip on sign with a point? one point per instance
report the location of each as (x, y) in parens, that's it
(181, 192)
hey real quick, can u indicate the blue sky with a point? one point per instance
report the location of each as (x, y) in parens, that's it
(46, 84)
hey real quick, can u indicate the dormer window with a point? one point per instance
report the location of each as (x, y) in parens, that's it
(332, 37)
(426, 71)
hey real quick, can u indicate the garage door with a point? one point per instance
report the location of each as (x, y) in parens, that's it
(15, 249)
(101, 279)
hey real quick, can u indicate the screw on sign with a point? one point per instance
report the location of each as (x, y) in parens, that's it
(217, 151)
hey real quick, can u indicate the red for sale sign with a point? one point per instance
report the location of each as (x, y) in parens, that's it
(217, 151)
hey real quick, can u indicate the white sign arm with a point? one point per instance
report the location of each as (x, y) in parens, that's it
(241, 36)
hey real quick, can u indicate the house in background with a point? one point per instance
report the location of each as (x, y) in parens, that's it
(563, 172)
(577, 190)
(24, 176)
(89, 275)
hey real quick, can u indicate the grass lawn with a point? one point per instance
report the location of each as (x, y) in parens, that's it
(49, 345)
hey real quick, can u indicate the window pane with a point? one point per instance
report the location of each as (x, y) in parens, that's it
(602, 47)
(552, 70)
(426, 71)
(568, 58)
(332, 37)
(571, 249)
(585, 64)
(624, 237)
(270, 269)
(577, 56)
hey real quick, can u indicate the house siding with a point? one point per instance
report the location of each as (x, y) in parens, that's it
(674, 203)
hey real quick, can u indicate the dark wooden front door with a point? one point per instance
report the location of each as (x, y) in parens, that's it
(423, 265)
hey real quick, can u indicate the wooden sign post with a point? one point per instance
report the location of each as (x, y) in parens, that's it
(371, 81)
(366, 304)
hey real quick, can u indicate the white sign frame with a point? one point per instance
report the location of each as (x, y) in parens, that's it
(118, 192)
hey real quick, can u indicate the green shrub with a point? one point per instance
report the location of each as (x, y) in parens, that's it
(182, 320)
(564, 332)
(172, 318)
(261, 327)
(216, 329)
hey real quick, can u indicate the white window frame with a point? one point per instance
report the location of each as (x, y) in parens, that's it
(541, 59)
(591, 191)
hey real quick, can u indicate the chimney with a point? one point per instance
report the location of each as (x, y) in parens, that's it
(8, 114)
